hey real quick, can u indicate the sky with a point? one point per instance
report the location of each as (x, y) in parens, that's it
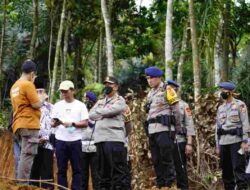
(145, 3)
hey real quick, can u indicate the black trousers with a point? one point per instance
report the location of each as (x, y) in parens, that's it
(180, 164)
(129, 173)
(69, 151)
(161, 146)
(42, 167)
(89, 161)
(112, 166)
(233, 167)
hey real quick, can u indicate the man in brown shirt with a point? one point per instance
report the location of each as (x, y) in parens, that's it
(26, 117)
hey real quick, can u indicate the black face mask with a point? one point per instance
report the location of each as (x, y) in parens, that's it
(224, 95)
(89, 104)
(107, 90)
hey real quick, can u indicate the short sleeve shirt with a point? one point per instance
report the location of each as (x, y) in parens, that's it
(69, 112)
(23, 94)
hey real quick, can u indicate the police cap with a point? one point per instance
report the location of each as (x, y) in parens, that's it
(111, 80)
(174, 83)
(153, 72)
(227, 85)
(91, 96)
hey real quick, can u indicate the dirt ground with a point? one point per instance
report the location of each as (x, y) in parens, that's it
(8, 185)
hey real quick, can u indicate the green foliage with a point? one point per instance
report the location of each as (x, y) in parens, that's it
(4, 118)
(241, 75)
(96, 88)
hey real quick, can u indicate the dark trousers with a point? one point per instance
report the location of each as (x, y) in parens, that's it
(42, 167)
(129, 172)
(89, 161)
(233, 167)
(180, 163)
(69, 151)
(112, 165)
(161, 146)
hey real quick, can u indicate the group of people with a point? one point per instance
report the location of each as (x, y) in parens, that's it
(170, 129)
(93, 135)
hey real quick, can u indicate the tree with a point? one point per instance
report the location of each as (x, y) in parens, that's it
(2, 45)
(168, 41)
(218, 54)
(195, 54)
(109, 52)
(226, 30)
(65, 47)
(182, 57)
(31, 52)
(100, 55)
(58, 46)
(52, 20)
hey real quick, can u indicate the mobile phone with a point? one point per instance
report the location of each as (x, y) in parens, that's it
(57, 120)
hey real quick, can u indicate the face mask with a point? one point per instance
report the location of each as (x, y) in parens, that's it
(89, 104)
(107, 90)
(224, 95)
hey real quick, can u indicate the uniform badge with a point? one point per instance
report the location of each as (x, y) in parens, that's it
(234, 106)
(171, 95)
(189, 113)
(243, 108)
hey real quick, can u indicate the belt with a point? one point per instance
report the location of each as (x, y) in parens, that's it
(162, 119)
(183, 131)
(117, 128)
(236, 131)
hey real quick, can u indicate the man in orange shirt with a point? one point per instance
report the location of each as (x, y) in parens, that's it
(26, 117)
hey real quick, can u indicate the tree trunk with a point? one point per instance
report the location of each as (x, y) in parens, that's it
(50, 50)
(196, 66)
(182, 58)
(226, 30)
(65, 47)
(97, 60)
(168, 42)
(1, 47)
(31, 54)
(195, 54)
(100, 55)
(109, 53)
(218, 54)
(210, 65)
(61, 63)
(78, 60)
(57, 54)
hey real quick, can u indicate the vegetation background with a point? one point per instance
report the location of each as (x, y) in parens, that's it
(199, 43)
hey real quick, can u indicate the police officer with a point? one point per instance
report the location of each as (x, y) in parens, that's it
(109, 137)
(231, 138)
(183, 143)
(163, 122)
